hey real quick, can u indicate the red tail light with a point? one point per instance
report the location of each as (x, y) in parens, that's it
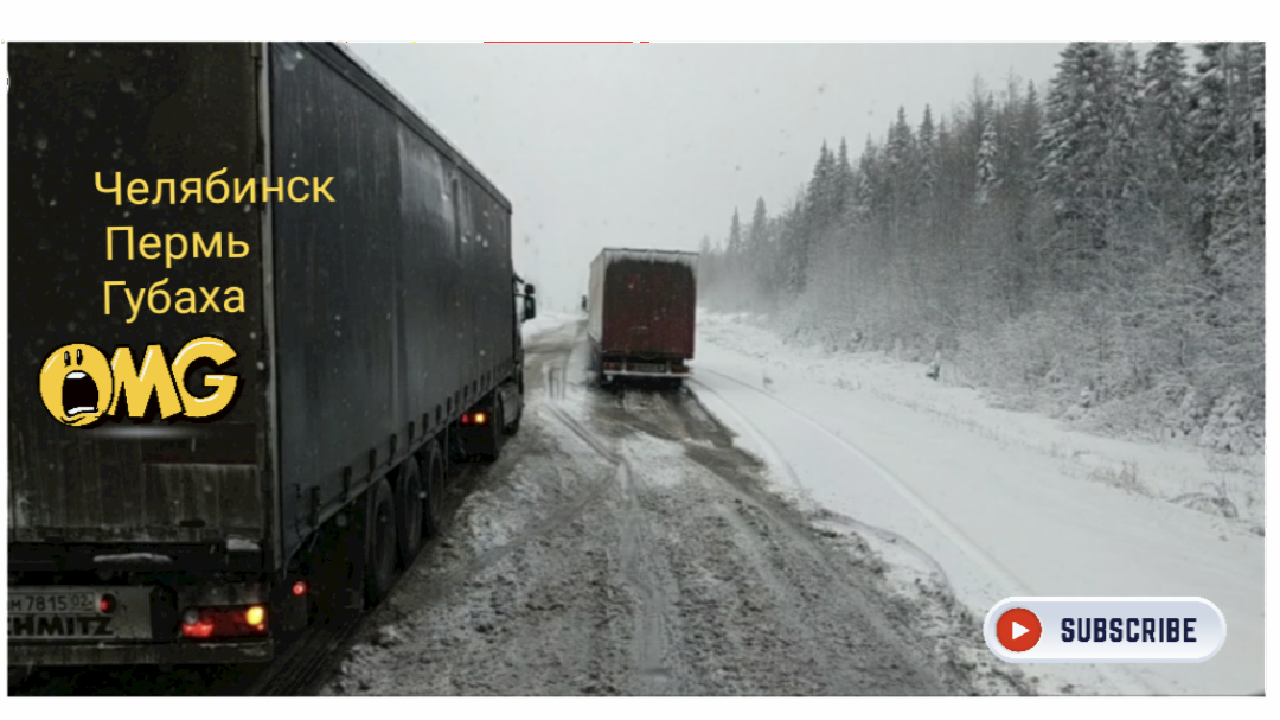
(300, 588)
(107, 604)
(202, 623)
(474, 418)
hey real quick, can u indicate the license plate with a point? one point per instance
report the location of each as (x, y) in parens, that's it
(61, 614)
(47, 603)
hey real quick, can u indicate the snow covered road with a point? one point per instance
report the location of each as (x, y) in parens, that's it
(624, 545)
(780, 531)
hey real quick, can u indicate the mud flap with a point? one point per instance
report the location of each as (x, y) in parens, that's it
(334, 586)
(512, 407)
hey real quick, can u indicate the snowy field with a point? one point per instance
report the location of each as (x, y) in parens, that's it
(1001, 503)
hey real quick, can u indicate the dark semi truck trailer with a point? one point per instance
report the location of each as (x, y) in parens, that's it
(256, 306)
(642, 314)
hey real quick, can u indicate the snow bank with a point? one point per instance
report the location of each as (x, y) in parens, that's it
(1215, 483)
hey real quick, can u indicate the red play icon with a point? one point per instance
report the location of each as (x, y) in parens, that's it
(1018, 630)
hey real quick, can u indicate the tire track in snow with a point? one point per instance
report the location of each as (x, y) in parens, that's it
(954, 534)
(651, 627)
(787, 570)
(824, 515)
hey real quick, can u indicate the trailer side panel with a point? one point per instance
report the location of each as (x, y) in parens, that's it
(393, 300)
(595, 300)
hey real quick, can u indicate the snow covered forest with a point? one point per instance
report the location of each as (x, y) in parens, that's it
(1093, 248)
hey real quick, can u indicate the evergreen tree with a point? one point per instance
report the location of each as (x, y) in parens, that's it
(735, 237)
(1228, 188)
(1126, 104)
(988, 177)
(759, 221)
(1164, 139)
(901, 175)
(1031, 118)
(843, 190)
(928, 157)
(822, 191)
(1076, 142)
(1211, 136)
(863, 190)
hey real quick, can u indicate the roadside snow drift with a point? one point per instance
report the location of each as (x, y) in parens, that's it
(1005, 504)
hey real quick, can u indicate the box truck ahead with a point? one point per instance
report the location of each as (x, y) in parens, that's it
(642, 313)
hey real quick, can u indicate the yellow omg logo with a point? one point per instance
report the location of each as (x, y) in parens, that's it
(80, 388)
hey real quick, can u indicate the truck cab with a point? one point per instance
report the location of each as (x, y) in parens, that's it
(482, 432)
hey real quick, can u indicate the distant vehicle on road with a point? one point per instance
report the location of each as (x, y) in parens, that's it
(642, 313)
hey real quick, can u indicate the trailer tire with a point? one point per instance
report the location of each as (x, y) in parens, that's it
(433, 518)
(380, 529)
(412, 507)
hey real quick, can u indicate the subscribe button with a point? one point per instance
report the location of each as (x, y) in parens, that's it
(1105, 630)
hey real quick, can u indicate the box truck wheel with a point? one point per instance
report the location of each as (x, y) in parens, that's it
(434, 484)
(412, 503)
(380, 524)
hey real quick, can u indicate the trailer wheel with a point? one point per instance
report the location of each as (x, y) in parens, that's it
(434, 518)
(412, 505)
(380, 526)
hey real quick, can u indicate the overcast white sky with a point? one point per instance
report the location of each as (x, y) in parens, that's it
(655, 145)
